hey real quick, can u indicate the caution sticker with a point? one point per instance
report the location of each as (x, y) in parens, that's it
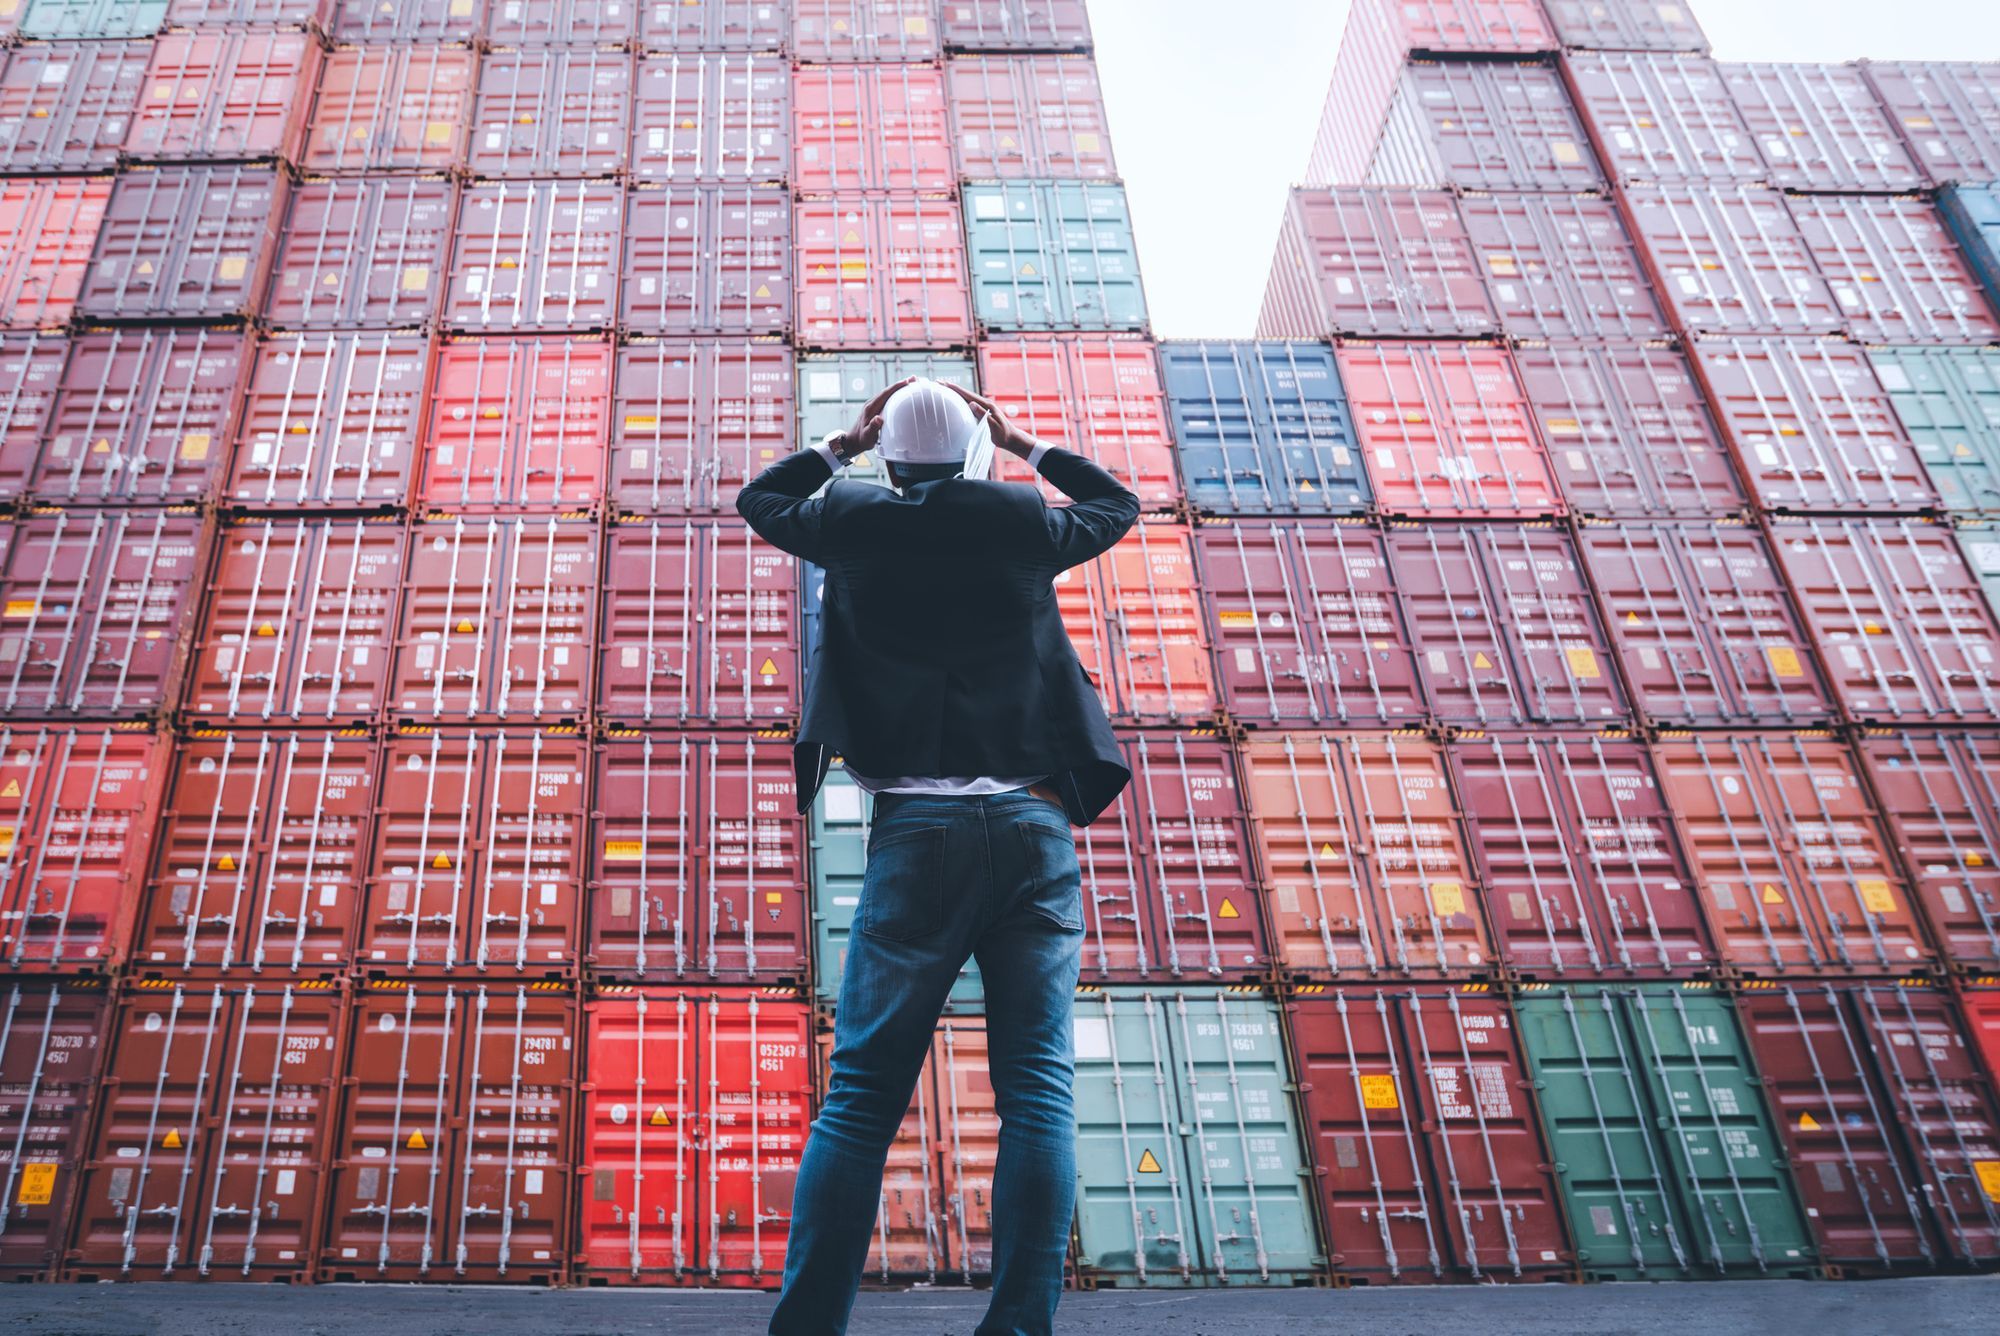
(6, 841)
(1989, 1177)
(1875, 896)
(1582, 662)
(1236, 617)
(20, 607)
(624, 851)
(1147, 1164)
(1447, 897)
(172, 1140)
(1808, 1123)
(1784, 661)
(194, 445)
(1379, 1092)
(438, 133)
(416, 1142)
(1227, 909)
(416, 278)
(1771, 896)
(38, 1184)
(660, 1117)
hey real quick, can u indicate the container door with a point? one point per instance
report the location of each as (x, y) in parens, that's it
(757, 1086)
(968, 1144)
(752, 925)
(640, 1126)
(644, 896)
(1409, 837)
(52, 1051)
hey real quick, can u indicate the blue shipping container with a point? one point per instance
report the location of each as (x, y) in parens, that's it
(93, 19)
(1262, 428)
(1974, 215)
(1052, 255)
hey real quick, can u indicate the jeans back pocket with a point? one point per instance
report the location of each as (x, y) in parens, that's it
(902, 887)
(1055, 888)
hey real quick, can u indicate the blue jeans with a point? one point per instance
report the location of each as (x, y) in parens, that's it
(988, 875)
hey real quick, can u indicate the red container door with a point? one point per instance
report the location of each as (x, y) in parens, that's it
(864, 30)
(31, 368)
(644, 900)
(754, 927)
(331, 421)
(184, 243)
(1593, 25)
(551, 112)
(1660, 117)
(536, 255)
(1035, 25)
(52, 1048)
(142, 415)
(219, 94)
(708, 259)
(968, 1142)
(692, 421)
(756, 1058)
(1206, 923)
(642, 1088)
(1098, 395)
(391, 108)
(1941, 794)
(1028, 116)
(1895, 269)
(66, 105)
(429, 21)
(870, 127)
(1731, 260)
(366, 253)
(705, 115)
(881, 271)
(1820, 127)
(1561, 267)
(722, 25)
(518, 424)
(47, 231)
(1946, 112)
(1345, 265)
(1135, 618)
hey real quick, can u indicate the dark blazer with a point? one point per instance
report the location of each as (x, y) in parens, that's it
(941, 649)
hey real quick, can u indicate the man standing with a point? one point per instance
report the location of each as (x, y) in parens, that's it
(946, 682)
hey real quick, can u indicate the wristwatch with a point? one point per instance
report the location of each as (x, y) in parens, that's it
(832, 442)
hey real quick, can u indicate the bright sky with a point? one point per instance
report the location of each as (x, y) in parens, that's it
(1213, 110)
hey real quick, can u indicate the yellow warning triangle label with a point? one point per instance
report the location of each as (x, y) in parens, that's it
(1028, 269)
(102, 447)
(267, 630)
(225, 864)
(1971, 860)
(145, 266)
(767, 668)
(1480, 660)
(1808, 1123)
(850, 235)
(819, 271)
(1307, 487)
(1771, 896)
(1326, 849)
(762, 291)
(1963, 450)
(1631, 619)
(442, 861)
(12, 789)
(464, 626)
(417, 1142)
(1147, 1164)
(172, 1140)
(1227, 909)
(660, 1118)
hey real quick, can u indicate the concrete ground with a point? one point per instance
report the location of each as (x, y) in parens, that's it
(1932, 1307)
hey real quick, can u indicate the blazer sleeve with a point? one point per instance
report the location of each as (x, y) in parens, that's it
(780, 506)
(1101, 508)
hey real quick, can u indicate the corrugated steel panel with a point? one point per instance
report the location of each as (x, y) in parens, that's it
(1016, 25)
(92, 20)
(1973, 214)
(1948, 401)
(518, 424)
(536, 255)
(52, 1047)
(435, 22)
(865, 30)
(1941, 794)
(31, 368)
(1483, 126)
(715, 25)
(1204, 918)
(1561, 267)
(1982, 1023)
(1053, 255)
(224, 95)
(1626, 25)
(877, 270)
(310, 15)
(1134, 615)
(708, 259)
(870, 127)
(1663, 118)
(1028, 116)
(1981, 541)
(331, 421)
(1895, 270)
(1947, 112)
(48, 229)
(711, 116)
(185, 243)
(1262, 428)
(551, 112)
(1098, 395)
(1731, 260)
(538, 23)
(1374, 262)
(66, 106)
(1820, 128)
(834, 386)
(391, 108)
(693, 420)
(366, 253)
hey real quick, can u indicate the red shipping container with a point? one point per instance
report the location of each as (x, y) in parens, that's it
(1812, 427)
(1948, 112)
(695, 1113)
(1579, 865)
(79, 806)
(697, 859)
(1895, 269)
(1134, 615)
(66, 106)
(530, 255)
(1795, 873)
(864, 30)
(693, 420)
(1731, 260)
(331, 421)
(1982, 1023)
(535, 23)
(1096, 394)
(1483, 125)
(313, 15)
(881, 271)
(1663, 118)
(1016, 117)
(1505, 630)
(457, 1120)
(1374, 262)
(478, 854)
(1626, 25)
(48, 228)
(1306, 625)
(498, 619)
(1627, 430)
(870, 127)
(1820, 128)
(211, 1135)
(716, 25)
(52, 1046)
(220, 94)
(700, 627)
(1429, 1152)
(1941, 794)
(708, 259)
(1903, 629)
(1445, 431)
(142, 415)
(95, 608)
(712, 116)
(298, 623)
(391, 108)
(518, 423)
(551, 112)
(185, 244)
(31, 368)
(263, 848)
(1704, 625)
(1038, 25)
(1363, 854)
(432, 22)
(1561, 267)
(363, 254)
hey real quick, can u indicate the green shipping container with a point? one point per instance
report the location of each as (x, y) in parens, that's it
(1188, 1163)
(1666, 1156)
(832, 390)
(1981, 541)
(91, 20)
(1949, 402)
(1052, 255)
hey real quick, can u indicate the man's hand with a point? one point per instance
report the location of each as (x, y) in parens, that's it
(860, 438)
(1006, 436)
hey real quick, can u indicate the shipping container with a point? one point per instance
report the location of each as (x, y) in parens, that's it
(1498, 125)
(456, 1125)
(881, 270)
(1028, 116)
(263, 847)
(428, 22)
(708, 259)
(1663, 118)
(391, 108)
(711, 116)
(1948, 401)
(52, 1046)
(717, 25)
(331, 421)
(1820, 128)
(692, 420)
(1578, 862)
(1363, 854)
(66, 106)
(80, 805)
(1982, 1023)
(878, 126)
(1626, 25)
(1704, 625)
(298, 622)
(1667, 1160)
(697, 859)
(1941, 794)
(498, 620)
(551, 112)
(1627, 430)
(864, 30)
(1731, 260)
(832, 388)
(211, 1140)
(308, 15)
(1262, 428)
(1894, 269)
(1307, 628)
(1374, 262)
(1980, 540)
(1134, 615)
(1189, 1170)
(143, 415)
(366, 253)
(1016, 25)
(1445, 430)
(1098, 395)
(224, 95)
(185, 243)
(700, 626)
(538, 23)
(1903, 627)
(1947, 112)
(1420, 1119)
(1795, 871)
(518, 424)
(478, 855)
(1812, 428)
(1973, 214)
(1561, 267)
(1504, 627)
(536, 255)
(48, 229)
(695, 1108)
(31, 368)
(92, 20)
(97, 606)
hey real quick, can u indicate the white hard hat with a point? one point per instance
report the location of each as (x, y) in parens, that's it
(926, 422)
